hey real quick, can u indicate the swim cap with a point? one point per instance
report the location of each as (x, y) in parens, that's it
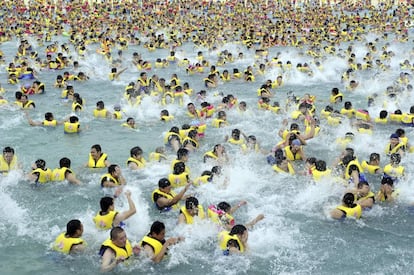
(296, 142)
(394, 136)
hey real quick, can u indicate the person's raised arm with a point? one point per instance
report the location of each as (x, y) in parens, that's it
(128, 213)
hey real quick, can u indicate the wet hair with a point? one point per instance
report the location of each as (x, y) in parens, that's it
(40, 163)
(400, 132)
(395, 158)
(347, 159)
(179, 168)
(320, 165)
(216, 170)
(100, 104)
(8, 149)
(64, 162)
(115, 232)
(349, 199)
(237, 229)
(374, 156)
(182, 152)
(352, 168)
(48, 116)
(362, 183)
(387, 180)
(165, 112)
(105, 203)
(135, 151)
(73, 119)
(175, 129)
(224, 206)
(383, 114)
(157, 227)
(72, 226)
(191, 202)
(163, 182)
(348, 105)
(112, 168)
(97, 147)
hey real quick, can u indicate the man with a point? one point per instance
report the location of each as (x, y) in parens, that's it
(234, 241)
(136, 161)
(164, 198)
(70, 241)
(116, 249)
(39, 173)
(364, 196)
(155, 245)
(100, 111)
(347, 209)
(108, 217)
(191, 210)
(64, 172)
(97, 159)
(8, 161)
(113, 178)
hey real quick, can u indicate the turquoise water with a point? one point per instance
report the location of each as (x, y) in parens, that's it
(296, 236)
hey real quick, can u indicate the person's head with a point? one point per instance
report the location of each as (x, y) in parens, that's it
(224, 206)
(296, 144)
(400, 132)
(347, 159)
(383, 114)
(374, 157)
(113, 169)
(348, 199)
(192, 134)
(352, 168)
(64, 162)
(191, 204)
(48, 116)
(118, 236)
(73, 119)
(216, 170)
(157, 230)
(363, 188)
(8, 154)
(221, 115)
(394, 139)
(74, 228)
(179, 168)
(40, 163)
(241, 231)
(175, 129)
(395, 158)
(348, 105)
(131, 122)
(136, 152)
(182, 154)
(320, 165)
(164, 185)
(106, 203)
(235, 133)
(96, 151)
(100, 105)
(387, 182)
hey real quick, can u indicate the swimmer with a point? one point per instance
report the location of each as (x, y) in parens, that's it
(190, 211)
(64, 172)
(136, 161)
(97, 159)
(348, 208)
(113, 178)
(70, 242)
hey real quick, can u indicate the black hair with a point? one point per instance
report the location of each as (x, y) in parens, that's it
(157, 227)
(72, 226)
(64, 162)
(191, 202)
(224, 206)
(105, 203)
(135, 151)
(163, 182)
(237, 229)
(349, 199)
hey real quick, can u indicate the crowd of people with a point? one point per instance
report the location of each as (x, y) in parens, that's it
(108, 30)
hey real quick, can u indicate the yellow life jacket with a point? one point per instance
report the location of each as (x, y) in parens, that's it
(59, 174)
(117, 114)
(140, 163)
(5, 167)
(349, 113)
(394, 172)
(167, 118)
(190, 219)
(155, 244)
(124, 252)
(44, 175)
(382, 198)
(191, 141)
(352, 162)
(63, 244)
(219, 216)
(372, 169)
(290, 155)
(71, 128)
(225, 237)
(334, 98)
(381, 120)
(51, 123)
(210, 154)
(318, 175)
(100, 163)
(109, 177)
(202, 179)
(169, 135)
(396, 117)
(389, 151)
(236, 141)
(355, 212)
(105, 222)
(279, 170)
(28, 104)
(168, 196)
(154, 156)
(219, 123)
(178, 180)
(76, 105)
(100, 113)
